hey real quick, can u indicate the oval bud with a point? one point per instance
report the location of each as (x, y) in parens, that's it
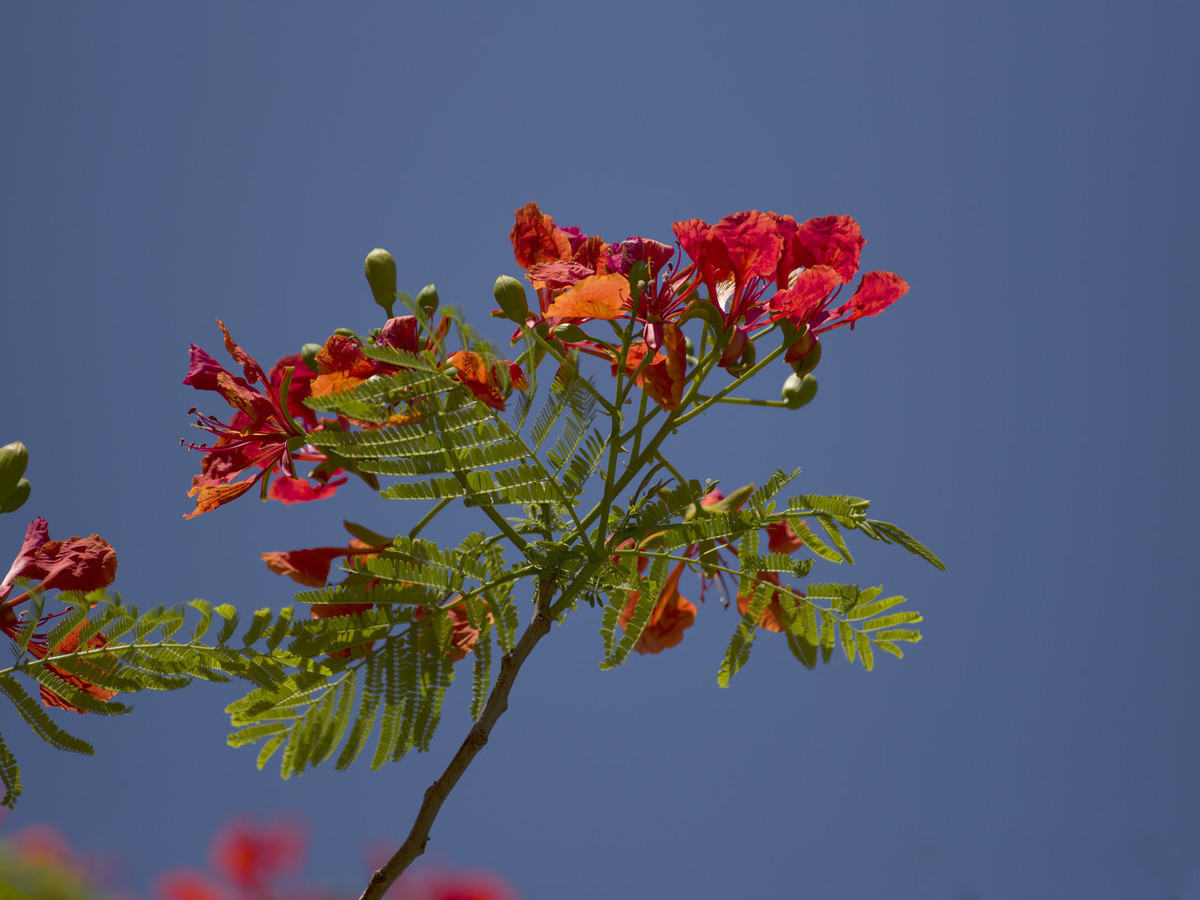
(569, 333)
(308, 353)
(745, 361)
(13, 460)
(381, 276)
(798, 391)
(809, 361)
(510, 294)
(427, 300)
(16, 498)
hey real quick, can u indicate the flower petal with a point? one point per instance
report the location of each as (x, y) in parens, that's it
(210, 496)
(876, 292)
(834, 241)
(672, 615)
(299, 490)
(535, 238)
(800, 302)
(477, 377)
(595, 297)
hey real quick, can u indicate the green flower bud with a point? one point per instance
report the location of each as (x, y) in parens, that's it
(809, 361)
(569, 333)
(308, 353)
(381, 276)
(745, 361)
(639, 278)
(427, 300)
(17, 497)
(13, 460)
(510, 294)
(798, 390)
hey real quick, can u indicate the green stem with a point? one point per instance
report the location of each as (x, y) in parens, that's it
(552, 351)
(477, 737)
(744, 401)
(720, 395)
(429, 516)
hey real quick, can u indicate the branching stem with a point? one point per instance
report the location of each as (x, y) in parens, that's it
(477, 737)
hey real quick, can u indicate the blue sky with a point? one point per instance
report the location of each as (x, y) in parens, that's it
(1028, 410)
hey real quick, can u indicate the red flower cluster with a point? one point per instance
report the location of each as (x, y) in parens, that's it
(263, 436)
(756, 267)
(266, 434)
(76, 564)
(248, 860)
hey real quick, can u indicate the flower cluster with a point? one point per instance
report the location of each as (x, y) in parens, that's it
(267, 433)
(76, 564)
(755, 268)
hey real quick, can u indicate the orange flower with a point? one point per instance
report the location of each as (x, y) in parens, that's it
(772, 618)
(462, 636)
(672, 615)
(310, 567)
(483, 381)
(67, 645)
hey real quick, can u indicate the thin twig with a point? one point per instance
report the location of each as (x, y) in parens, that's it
(477, 737)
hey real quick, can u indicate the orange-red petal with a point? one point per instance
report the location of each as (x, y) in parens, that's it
(210, 496)
(672, 615)
(535, 238)
(595, 297)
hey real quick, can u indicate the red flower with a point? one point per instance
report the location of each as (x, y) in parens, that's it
(782, 539)
(772, 617)
(67, 645)
(806, 301)
(536, 239)
(452, 885)
(486, 383)
(251, 857)
(310, 567)
(672, 615)
(833, 241)
(76, 564)
(260, 433)
(342, 365)
(661, 378)
(462, 635)
(743, 247)
(187, 885)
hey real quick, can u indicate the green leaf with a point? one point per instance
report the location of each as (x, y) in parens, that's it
(10, 775)
(894, 534)
(43, 726)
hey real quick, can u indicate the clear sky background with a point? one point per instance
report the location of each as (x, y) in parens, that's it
(1028, 410)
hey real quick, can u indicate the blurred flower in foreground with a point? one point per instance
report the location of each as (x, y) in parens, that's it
(248, 861)
(37, 863)
(449, 884)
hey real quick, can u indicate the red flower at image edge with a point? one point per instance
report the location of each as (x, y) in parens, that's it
(76, 564)
(452, 885)
(260, 433)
